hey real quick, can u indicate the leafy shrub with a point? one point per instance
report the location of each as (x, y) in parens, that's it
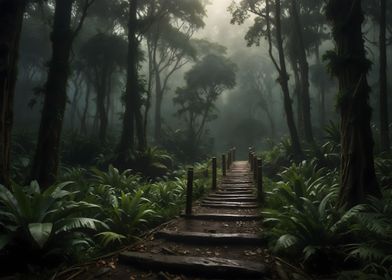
(372, 231)
(383, 168)
(127, 214)
(126, 181)
(278, 157)
(168, 197)
(332, 136)
(304, 225)
(91, 212)
(300, 215)
(23, 145)
(43, 225)
(153, 162)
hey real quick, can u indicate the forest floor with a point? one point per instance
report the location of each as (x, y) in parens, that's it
(222, 239)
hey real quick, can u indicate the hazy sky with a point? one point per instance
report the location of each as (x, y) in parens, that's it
(219, 29)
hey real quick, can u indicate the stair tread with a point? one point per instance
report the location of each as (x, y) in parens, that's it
(209, 267)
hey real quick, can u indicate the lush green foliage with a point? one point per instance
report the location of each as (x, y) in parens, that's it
(91, 211)
(301, 219)
(44, 223)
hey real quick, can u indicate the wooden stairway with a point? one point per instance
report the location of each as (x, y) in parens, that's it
(220, 240)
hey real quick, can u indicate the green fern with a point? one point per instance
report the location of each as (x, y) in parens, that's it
(46, 221)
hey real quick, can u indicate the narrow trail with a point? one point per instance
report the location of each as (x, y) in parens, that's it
(220, 240)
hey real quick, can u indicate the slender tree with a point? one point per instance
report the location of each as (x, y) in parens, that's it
(304, 71)
(349, 64)
(11, 19)
(268, 23)
(46, 158)
(169, 47)
(171, 50)
(384, 122)
(283, 76)
(132, 95)
(104, 55)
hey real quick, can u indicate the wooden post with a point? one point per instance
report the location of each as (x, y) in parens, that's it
(189, 192)
(255, 167)
(234, 149)
(214, 173)
(260, 179)
(249, 154)
(228, 160)
(223, 164)
(252, 161)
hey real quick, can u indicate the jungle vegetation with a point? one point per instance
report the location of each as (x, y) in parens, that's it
(104, 103)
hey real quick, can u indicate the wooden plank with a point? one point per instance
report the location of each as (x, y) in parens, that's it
(228, 206)
(249, 190)
(229, 202)
(237, 185)
(222, 217)
(200, 266)
(237, 189)
(228, 195)
(211, 238)
(235, 192)
(238, 181)
(231, 199)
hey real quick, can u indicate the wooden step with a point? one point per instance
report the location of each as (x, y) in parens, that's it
(236, 182)
(230, 199)
(211, 238)
(236, 188)
(232, 189)
(248, 192)
(236, 185)
(229, 206)
(229, 195)
(229, 202)
(222, 217)
(238, 176)
(200, 266)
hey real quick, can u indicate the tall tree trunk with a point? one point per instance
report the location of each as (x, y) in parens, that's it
(101, 88)
(298, 95)
(83, 121)
(108, 101)
(46, 159)
(283, 80)
(158, 105)
(271, 121)
(384, 122)
(322, 110)
(304, 70)
(127, 141)
(77, 84)
(358, 177)
(11, 16)
(149, 86)
(140, 130)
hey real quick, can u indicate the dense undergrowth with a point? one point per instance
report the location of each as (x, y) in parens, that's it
(304, 225)
(96, 208)
(89, 212)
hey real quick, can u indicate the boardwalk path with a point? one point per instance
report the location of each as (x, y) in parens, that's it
(221, 240)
